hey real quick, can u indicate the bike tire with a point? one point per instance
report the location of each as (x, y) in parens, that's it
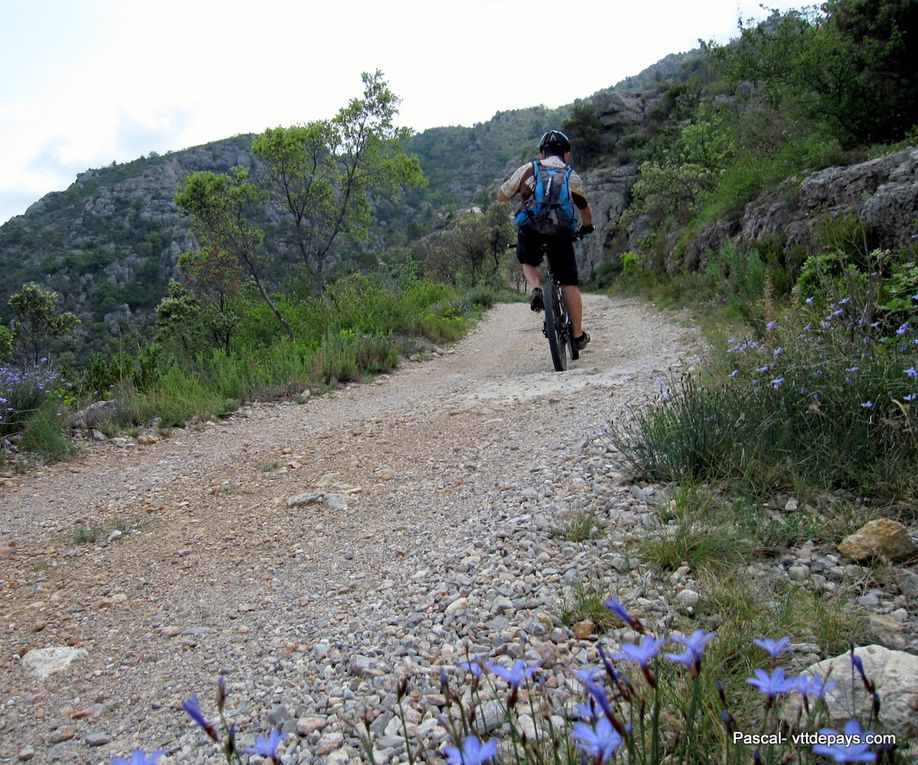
(553, 327)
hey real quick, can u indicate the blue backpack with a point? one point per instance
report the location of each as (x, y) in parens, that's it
(549, 211)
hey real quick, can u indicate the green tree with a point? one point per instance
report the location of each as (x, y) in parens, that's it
(220, 208)
(37, 325)
(585, 131)
(846, 69)
(326, 171)
(214, 277)
(6, 343)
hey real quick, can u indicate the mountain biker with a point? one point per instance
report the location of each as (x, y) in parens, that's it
(554, 151)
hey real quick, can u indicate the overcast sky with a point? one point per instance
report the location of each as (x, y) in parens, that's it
(84, 83)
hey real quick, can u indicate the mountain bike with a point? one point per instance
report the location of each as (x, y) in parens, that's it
(557, 325)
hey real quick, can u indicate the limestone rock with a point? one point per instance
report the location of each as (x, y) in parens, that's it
(895, 674)
(881, 537)
(46, 661)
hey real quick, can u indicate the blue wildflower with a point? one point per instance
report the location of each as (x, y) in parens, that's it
(516, 674)
(813, 687)
(473, 752)
(777, 351)
(771, 325)
(910, 397)
(596, 691)
(911, 371)
(809, 300)
(616, 607)
(777, 382)
(773, 647)
(867, 404)
(266, 747)
(855, 751)
(734, 373)
(641, 653)
(139, 757)
(903, 328)
(193, 708)
(773, 684)
(694, 645)
(473, 666)
(599, 741)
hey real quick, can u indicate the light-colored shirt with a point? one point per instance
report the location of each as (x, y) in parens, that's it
(522, 182)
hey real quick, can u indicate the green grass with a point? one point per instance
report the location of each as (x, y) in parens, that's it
(585, 602)
(43, 434)
(83, 533)
(580, 526)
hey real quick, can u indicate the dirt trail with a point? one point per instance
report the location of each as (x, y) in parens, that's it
(218, 570)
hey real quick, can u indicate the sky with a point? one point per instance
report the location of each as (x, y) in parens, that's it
(84, 83)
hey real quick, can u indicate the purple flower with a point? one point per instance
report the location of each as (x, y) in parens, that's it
(867, 404)
(516, 674)
(599, 740)
(850, 747)
(776, 383)
(473, 752)
(473, 666)
(734, 373)
(777, 351)
(773, 647)
(266, 747)
(139, 757)
(193, 708)
(812, 687)
(616, 607)
(595, 690)
(851, 369)
(771, 325)
(911, 371)
(910, 396)
(694, 645)
(903, 328)
(641, 653)
(809, 300)
(773, 684)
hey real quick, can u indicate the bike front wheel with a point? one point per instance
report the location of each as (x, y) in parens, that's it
(555, 330)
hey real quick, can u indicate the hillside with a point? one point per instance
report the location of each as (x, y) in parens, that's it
(108, 244)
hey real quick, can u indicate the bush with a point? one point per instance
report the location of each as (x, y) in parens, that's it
(825, 400)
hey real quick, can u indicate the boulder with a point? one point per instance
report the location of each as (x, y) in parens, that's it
(879, 538)
(895, 675)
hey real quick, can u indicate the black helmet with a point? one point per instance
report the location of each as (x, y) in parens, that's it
(555, 142)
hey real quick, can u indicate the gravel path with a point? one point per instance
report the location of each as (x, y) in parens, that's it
(315, 553)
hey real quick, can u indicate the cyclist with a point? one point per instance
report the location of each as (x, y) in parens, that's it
(554, 151)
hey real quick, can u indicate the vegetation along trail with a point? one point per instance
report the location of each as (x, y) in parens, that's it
(315, 553)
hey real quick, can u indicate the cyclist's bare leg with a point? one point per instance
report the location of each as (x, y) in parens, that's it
(575, 306)
(533, 276)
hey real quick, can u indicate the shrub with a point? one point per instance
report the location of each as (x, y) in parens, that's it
(825, 400)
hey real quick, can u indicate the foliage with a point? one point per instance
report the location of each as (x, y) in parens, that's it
(6, 343)
(326, 170)
(823, 400)
(23, 392)
(473, 250)
(845, 68)
(220, 207)
(37, 324)
(585, 130)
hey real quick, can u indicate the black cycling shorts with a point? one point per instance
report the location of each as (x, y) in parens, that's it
(560, 255)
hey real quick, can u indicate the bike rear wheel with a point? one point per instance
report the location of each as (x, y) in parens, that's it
(554, 327)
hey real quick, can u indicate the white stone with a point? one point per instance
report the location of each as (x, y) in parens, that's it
(47, 661)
